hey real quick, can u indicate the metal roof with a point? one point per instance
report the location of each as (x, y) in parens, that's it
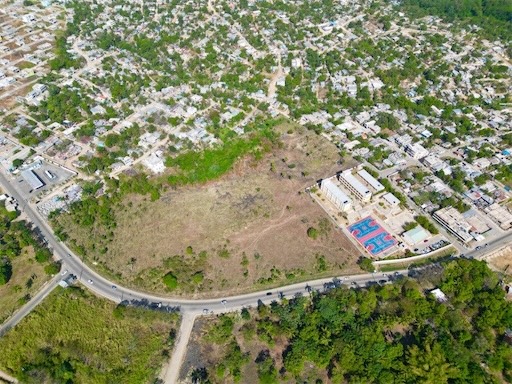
(356, 184)
(337, 193)
(372, 181)
(31, 178)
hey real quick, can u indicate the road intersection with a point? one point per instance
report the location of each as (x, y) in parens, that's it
(189, 308)
(112, 291)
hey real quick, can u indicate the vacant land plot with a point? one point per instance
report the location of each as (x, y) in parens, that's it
(75, 337)
(27, 278)
(502, 260)
(250, 227)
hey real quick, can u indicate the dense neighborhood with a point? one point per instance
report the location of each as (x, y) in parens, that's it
(224, 160)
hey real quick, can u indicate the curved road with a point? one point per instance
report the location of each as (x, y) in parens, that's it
(105, 288)
(189, 308)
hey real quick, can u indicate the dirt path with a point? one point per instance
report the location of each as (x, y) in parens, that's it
(6, 377)
(171, 371)
(273, 81)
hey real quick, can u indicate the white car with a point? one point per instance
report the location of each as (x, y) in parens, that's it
(90, 281)
(64, 272)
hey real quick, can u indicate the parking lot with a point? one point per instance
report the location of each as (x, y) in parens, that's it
(50, 176)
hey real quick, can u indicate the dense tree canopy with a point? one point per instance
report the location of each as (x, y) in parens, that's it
(494, 16)
(383, 334)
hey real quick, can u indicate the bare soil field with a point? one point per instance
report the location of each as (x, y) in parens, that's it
(502, 261)
(248, 228)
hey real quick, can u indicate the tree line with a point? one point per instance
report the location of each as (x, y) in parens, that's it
(381, 334)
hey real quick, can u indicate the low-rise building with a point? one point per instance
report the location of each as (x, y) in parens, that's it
(335, 195)
(455, 223)
(391, 199)
(354, 186)
(501, 215)
(30, 177)
(416, 235)
(416, 151)
(370, 180)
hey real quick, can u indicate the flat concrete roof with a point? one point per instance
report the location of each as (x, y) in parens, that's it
(356, 184)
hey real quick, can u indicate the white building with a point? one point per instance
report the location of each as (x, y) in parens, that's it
(336, 195)
(349, 181)
(370, 180)
(416, 151)
(455, 223)
(391, 199)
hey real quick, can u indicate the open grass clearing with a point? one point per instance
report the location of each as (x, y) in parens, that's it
(247, 228)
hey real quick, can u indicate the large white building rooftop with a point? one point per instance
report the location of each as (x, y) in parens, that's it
(372, 181)
(335, 192)
(355, 185)
(31, 178)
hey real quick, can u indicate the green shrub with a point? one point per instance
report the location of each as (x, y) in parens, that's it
(170, 281)
(312, 233)
(52, 269)
(5, 271)
(366, 264)
(198, 277)
(42, 255)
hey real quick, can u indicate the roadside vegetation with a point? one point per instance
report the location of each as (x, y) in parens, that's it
(381, 334)
(75, 337)
(25, 262)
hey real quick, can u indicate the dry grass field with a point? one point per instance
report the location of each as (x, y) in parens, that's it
(27, 278)
(249, 227)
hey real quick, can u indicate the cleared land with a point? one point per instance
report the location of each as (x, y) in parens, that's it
(502, 261)
(76, 337)
(247, 228)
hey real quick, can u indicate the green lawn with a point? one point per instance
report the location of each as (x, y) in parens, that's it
(75, 337)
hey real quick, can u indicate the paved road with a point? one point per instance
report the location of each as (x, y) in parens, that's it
(105, 288)
(27, 308)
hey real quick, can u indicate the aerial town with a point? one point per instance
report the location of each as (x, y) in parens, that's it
(126, 93)
(418, 109)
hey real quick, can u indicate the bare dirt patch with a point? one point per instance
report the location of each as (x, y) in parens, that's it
(502, 260)
(248, 228)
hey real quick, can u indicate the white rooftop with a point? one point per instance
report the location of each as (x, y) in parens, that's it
(356, 184)
(374, 183)
(337, 193)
